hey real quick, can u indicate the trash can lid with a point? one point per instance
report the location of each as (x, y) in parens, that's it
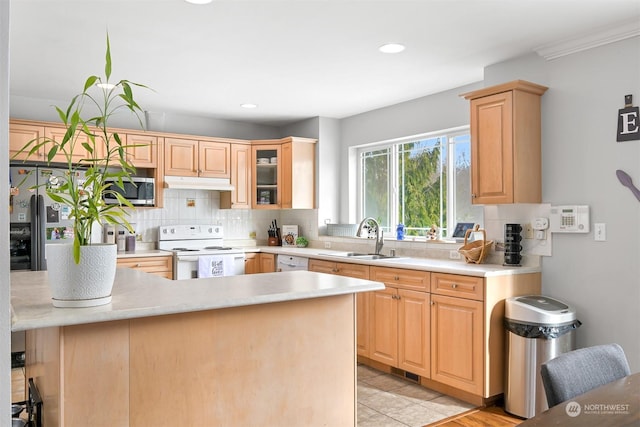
(539, 310)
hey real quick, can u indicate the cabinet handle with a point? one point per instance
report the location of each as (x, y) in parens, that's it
(138, 265)
(396, 278)
(335, 270)
(473, 196)
(454, 285)
(432, 303)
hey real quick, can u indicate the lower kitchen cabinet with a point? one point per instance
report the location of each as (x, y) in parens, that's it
(456, 342)
(256, 262)
(267, 263)
(158, 265)
(363, 299)
(399, 324)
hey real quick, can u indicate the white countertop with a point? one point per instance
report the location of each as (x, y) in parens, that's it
(424, 264)
(138, 294)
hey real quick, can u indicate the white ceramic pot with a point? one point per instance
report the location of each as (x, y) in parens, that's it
(86, 284)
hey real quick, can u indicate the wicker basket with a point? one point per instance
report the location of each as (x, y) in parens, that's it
(476, 251)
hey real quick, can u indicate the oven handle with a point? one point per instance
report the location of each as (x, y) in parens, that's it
(188, 258)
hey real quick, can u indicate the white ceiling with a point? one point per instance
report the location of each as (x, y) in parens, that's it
(294, 58)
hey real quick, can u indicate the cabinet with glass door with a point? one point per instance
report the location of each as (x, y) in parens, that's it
(267, 176)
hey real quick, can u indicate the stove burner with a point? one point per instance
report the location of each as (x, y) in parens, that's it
(218, 248)
(185, 250)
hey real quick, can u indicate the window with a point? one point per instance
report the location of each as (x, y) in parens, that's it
(418, 182)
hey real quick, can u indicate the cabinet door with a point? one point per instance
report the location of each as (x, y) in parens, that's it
(492, 149)
(251, 265)
(457, 343)
(180, 157)
(142, 151)
(214, 159)
(240, 197)
(19, 135)
(363, 313)
(384, 326)
(267, 263)
(266, 177)
(414, 330)
(57, 135)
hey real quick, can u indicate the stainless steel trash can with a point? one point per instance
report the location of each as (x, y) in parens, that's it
(538, 328)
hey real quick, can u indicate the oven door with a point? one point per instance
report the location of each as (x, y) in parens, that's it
(186, 266)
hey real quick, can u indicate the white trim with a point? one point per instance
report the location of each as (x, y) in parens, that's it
(600, 37)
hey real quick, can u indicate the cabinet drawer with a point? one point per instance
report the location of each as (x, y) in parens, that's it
(321, 266)
(352, 270)
(148, 264)
(401, 278)
(458, 286)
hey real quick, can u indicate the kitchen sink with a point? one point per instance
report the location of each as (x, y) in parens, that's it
(363, 256)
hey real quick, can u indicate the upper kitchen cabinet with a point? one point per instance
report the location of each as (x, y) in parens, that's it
(19, 135)
(240, 196)
(142, 150)
(284, 173)
(505, 143)
(188, 157)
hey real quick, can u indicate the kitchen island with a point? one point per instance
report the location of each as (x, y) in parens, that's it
(274, 349)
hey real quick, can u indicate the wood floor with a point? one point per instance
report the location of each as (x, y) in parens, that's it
(492, 416)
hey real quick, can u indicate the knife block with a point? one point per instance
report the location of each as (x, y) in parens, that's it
(273, 241)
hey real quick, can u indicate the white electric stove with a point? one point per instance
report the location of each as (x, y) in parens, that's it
(199, 251)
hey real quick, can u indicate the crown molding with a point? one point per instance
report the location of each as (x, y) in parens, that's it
(600, 37)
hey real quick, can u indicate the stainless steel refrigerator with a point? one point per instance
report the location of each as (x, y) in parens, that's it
(36, 220)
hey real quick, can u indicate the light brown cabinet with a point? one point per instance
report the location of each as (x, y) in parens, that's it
(142, 150)
(399, 320)
(256, 262)
(457, 340)
(506, 143)
(363, 299)
(188, 157)
(283, 175)
(158, 265)
(240, 196)
(19, 135)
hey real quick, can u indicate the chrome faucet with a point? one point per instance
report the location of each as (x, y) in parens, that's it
(367, 223)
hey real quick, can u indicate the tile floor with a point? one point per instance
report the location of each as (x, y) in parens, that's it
(386, 400)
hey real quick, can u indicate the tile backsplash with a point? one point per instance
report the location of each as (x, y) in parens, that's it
(203, 207)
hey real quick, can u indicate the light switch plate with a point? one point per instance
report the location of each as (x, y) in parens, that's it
(600, 232)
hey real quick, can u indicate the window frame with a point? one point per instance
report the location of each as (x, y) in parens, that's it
(394, 172)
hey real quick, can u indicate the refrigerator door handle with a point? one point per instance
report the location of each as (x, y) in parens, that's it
(42, 238)
(35, 230)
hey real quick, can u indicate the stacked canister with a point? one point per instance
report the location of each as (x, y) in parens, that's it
(512, 246)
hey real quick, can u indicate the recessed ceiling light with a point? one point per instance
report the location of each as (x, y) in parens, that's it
(249, 105)
(107, 86)
(199, 1)
(391, 48)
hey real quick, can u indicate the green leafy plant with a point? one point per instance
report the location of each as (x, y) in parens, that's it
(301, 241)
(86, 180)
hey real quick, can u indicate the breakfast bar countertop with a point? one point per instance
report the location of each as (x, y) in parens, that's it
(138, 294)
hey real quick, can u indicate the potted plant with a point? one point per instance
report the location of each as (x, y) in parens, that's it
(84, 185)
(301, 242)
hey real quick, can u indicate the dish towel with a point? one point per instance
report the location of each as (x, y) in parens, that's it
(215, 265)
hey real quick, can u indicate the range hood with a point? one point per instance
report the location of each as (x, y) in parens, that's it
(197, 183)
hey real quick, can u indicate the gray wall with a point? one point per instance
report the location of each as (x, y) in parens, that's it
(5, 292)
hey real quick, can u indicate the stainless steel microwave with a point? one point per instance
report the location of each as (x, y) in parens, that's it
(139, 191)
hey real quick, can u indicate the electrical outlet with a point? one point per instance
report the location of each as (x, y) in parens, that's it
(327, 245)
(454, 254)
(528, 231)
